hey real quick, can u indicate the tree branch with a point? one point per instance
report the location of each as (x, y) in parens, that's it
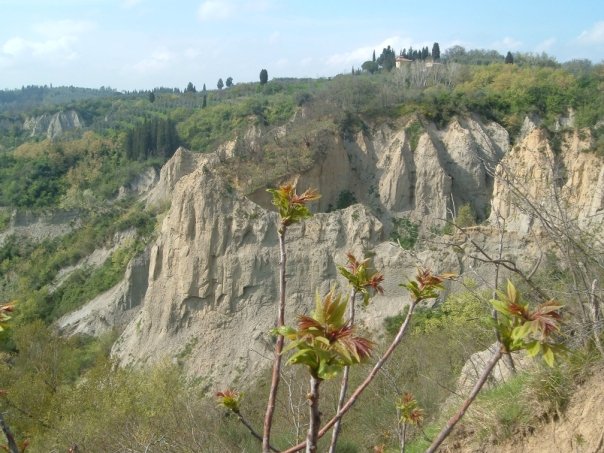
(10, 438)
(272, 398)
(344, 385)
(462, 410)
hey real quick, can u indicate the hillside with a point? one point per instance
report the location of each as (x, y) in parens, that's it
(140, 233)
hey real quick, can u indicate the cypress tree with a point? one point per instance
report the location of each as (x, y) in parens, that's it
(435, 52)
(263, 76)
(509, 58)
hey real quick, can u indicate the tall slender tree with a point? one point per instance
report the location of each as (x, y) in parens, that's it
(263, 76)
(435, 52)
(509, 58)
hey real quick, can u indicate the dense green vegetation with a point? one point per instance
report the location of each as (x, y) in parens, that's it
(122, 131)
(28, 270)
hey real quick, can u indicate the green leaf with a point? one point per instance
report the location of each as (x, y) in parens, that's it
(286, 331)
(291, 345)
(343, 351)
(521, 332)
(533, 348)
(548, 355)
(303, 357)
(512, 293)
(323, 340)
(500, 306)
(327, 370)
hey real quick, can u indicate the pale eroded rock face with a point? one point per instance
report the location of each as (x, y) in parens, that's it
(40, 226)
(182, 163)
(447, 168)
(53, 125)
(141, 184)
(572, 178)
(114, 308)
(213, 278)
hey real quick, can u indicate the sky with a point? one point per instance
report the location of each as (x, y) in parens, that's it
(142, 44)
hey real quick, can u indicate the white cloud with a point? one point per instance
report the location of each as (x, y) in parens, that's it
(192, 53)
(55, 39)
(215, 9)
(55, 48)
(15, 46)
(364, 53)
(305, 61)
(546, 45)
(595, 35)
(157, 61)
(506, 44)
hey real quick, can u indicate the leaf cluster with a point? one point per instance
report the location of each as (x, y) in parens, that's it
(363, 279)
(410, 412)
(5, 309)
(426, 285)
(229, 399)
(325, 341)
(292, 207)
(532, 330)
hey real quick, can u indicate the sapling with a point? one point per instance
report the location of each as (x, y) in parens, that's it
(5, 316)
(292, 209)
(518, 328)
(231, 399)
(325, 343)
(425, 286)
(409, 413)
(365, 281)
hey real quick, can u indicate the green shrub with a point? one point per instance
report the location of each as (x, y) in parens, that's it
(83, 285)
(414, 131)
(4, 220)
(465, 216)
(404, 232)
(345, 198)
(349, 125)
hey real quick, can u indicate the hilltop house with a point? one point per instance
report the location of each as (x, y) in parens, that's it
(400, 60)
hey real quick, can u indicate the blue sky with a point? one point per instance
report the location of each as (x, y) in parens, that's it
(141, 44)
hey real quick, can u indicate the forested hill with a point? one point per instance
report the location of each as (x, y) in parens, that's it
(121, 133)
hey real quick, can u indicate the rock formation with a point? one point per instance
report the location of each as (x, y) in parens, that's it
(53, 125)
(208, 294)
(213, 278)
(114, 308)
(39, 226)
(426, 180)
(535, 181)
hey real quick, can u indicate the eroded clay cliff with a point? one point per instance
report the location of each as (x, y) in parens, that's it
(211, 287)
